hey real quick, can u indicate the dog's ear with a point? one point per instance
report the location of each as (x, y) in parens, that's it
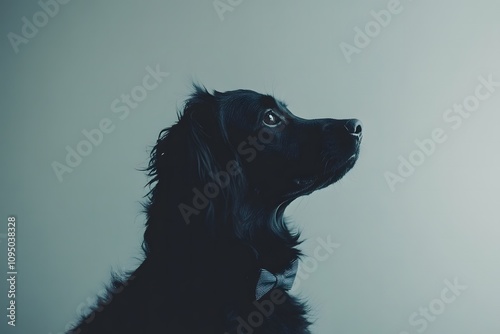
(217, 163)
(207, 146)
(192, 158)
(180, 161)
(184, 147)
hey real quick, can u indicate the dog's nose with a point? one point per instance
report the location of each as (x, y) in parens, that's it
(354, 127)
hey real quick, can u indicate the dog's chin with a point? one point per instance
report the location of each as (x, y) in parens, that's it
(333, 172)
(339, 171)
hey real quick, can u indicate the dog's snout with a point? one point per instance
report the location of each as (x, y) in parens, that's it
(354, 127)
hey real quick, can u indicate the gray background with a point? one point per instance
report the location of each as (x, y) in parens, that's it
(396, 247)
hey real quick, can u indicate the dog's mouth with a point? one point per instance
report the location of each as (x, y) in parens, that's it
(332, 172)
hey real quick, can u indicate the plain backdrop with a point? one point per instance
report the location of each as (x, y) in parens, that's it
(396, 248)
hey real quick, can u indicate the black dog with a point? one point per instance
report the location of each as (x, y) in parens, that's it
(219, 257)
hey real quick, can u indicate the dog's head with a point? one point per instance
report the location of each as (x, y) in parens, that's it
(284, 156)
(245, 147)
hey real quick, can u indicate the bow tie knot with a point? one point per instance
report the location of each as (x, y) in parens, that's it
(268, 281)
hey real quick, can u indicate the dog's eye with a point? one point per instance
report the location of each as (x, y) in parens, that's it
(271, 119)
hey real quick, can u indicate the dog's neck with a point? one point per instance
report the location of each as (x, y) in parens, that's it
(266, 231)
(249, 222)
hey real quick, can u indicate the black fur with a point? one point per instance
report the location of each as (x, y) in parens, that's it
(249, 157)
